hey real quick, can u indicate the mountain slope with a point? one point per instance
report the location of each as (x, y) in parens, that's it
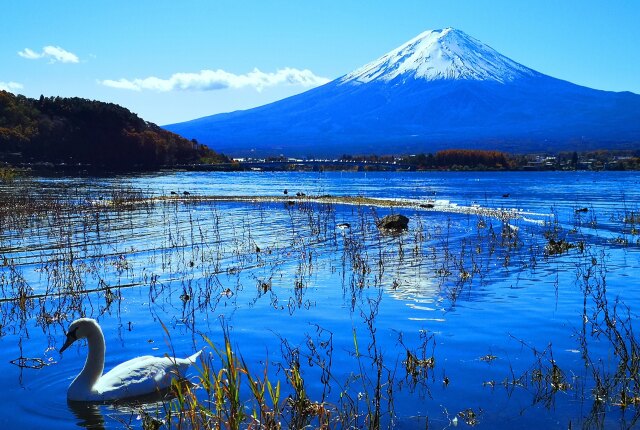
(441, 54)
(74, 130)
(440, 90)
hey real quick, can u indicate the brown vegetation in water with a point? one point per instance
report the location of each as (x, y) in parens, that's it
(229, 393)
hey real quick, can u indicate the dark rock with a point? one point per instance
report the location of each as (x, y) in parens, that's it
(393, 223)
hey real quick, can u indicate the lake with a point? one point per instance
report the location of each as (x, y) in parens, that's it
(508, 303)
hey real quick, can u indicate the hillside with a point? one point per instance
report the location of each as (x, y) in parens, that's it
(440, 90)
(79, 131)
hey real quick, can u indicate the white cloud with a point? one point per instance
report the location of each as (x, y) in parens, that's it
(10, 86)
(53, 53)
(29, 54)
(207, 80)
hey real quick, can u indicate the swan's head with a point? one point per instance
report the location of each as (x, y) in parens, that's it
(80, 329)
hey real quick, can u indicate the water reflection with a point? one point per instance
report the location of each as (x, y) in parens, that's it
(91, 415)
(187, 263)
(88, 414)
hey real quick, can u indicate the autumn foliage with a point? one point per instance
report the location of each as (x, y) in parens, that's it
(472, 158)
(81, 131)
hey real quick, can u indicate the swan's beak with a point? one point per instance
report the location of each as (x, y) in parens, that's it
(67, 343)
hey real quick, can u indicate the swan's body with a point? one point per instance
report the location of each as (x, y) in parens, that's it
(136, 377)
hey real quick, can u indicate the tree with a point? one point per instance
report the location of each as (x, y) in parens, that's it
(56, 129)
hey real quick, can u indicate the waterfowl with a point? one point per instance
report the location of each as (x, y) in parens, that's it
(135, 377)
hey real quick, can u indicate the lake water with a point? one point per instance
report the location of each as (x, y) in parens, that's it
(522, 334)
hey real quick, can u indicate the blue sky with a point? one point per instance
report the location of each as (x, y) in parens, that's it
(172, 61)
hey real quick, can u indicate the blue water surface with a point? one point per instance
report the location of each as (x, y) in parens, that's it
(481, 295)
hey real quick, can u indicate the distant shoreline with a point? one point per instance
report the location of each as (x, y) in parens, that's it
(299, 166)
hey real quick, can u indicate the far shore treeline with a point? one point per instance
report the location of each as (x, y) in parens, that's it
(471, 159)
(76, 131)
(478, 159)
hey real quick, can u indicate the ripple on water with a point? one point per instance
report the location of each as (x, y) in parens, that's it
(538, 304)
(46, 404)
(42, 401)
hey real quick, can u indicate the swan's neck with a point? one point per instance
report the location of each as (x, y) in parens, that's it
(93, 367)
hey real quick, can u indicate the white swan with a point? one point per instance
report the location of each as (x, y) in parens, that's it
(136, 377)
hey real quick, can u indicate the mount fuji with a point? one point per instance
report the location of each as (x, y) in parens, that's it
(442, 89)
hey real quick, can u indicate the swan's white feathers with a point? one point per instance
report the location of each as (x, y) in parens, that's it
(141, 375)
(136, 377)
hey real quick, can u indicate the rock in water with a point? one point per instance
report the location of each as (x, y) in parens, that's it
(394, 223)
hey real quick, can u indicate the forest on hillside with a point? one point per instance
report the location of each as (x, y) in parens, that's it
(87, 132)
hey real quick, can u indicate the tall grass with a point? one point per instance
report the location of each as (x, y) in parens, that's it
(86, 252)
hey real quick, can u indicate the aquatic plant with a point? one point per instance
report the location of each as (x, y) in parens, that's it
(191, 257)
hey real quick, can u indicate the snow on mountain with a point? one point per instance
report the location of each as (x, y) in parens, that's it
(441, 54)
(442, 89)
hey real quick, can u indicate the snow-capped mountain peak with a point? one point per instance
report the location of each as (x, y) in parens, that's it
(441, 90)
(441, 54)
